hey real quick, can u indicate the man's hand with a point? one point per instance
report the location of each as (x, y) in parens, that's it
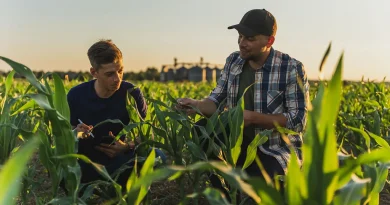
(116, 148)
(83, 130)
(186, 104)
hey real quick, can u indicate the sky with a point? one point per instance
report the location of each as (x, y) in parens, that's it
(55, 35)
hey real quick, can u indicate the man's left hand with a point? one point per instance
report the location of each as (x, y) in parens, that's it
(114, 149)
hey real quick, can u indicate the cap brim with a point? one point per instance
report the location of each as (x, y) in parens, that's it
(243, 30)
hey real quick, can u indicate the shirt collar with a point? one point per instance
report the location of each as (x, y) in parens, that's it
(268, 62)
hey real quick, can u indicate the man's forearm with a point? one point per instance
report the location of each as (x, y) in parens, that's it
(207, 107)
(265, 121)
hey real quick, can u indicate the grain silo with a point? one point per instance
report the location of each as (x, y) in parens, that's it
(210, 74)
(218, 72)
(181, 74)
(196, 74)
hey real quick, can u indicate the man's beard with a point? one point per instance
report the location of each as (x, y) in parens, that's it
(251, 58)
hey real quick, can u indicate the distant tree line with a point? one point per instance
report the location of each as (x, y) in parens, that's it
(151, 74)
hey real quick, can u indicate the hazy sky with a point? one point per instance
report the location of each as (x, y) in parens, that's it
(55, 35)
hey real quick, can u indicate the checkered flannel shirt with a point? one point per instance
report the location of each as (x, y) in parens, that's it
(281, 87)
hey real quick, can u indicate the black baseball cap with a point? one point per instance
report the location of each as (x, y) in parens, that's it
(255, 22)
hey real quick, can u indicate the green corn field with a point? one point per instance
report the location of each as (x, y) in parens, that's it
(346, 148)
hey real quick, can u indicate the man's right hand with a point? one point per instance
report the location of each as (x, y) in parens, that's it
(186, 104)
(206, 107)
(83, 130)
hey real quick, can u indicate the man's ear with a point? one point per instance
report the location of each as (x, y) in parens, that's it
(93, 72)
(271, 41)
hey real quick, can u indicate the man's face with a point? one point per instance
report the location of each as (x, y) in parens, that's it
(109, 76)
(253, 47)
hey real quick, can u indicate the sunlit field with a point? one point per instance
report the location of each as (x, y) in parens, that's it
(346, 151)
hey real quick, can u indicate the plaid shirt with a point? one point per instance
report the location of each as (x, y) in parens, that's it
(277, 91)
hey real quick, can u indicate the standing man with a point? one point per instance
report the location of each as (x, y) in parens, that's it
(101, 99)
(280, 92)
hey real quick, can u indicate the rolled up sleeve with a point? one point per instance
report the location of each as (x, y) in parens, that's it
(297, 98)
(219, 93)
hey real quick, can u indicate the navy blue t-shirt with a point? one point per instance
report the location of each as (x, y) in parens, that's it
(86, 105)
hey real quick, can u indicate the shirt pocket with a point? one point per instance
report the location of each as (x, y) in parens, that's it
(275, 101)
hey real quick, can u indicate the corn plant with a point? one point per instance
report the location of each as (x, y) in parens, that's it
(345, 149)
(57, 116)
(10, 125)
(11, 172)
(9, 131)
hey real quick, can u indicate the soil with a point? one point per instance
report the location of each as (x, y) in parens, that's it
(161, 193)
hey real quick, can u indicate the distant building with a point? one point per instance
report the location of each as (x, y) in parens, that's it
(194, 72)
(218, 73)
(167, 74)
(210, 74)
(182, 73)
(197, 74)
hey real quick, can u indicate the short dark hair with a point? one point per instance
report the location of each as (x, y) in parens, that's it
(103, 52)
